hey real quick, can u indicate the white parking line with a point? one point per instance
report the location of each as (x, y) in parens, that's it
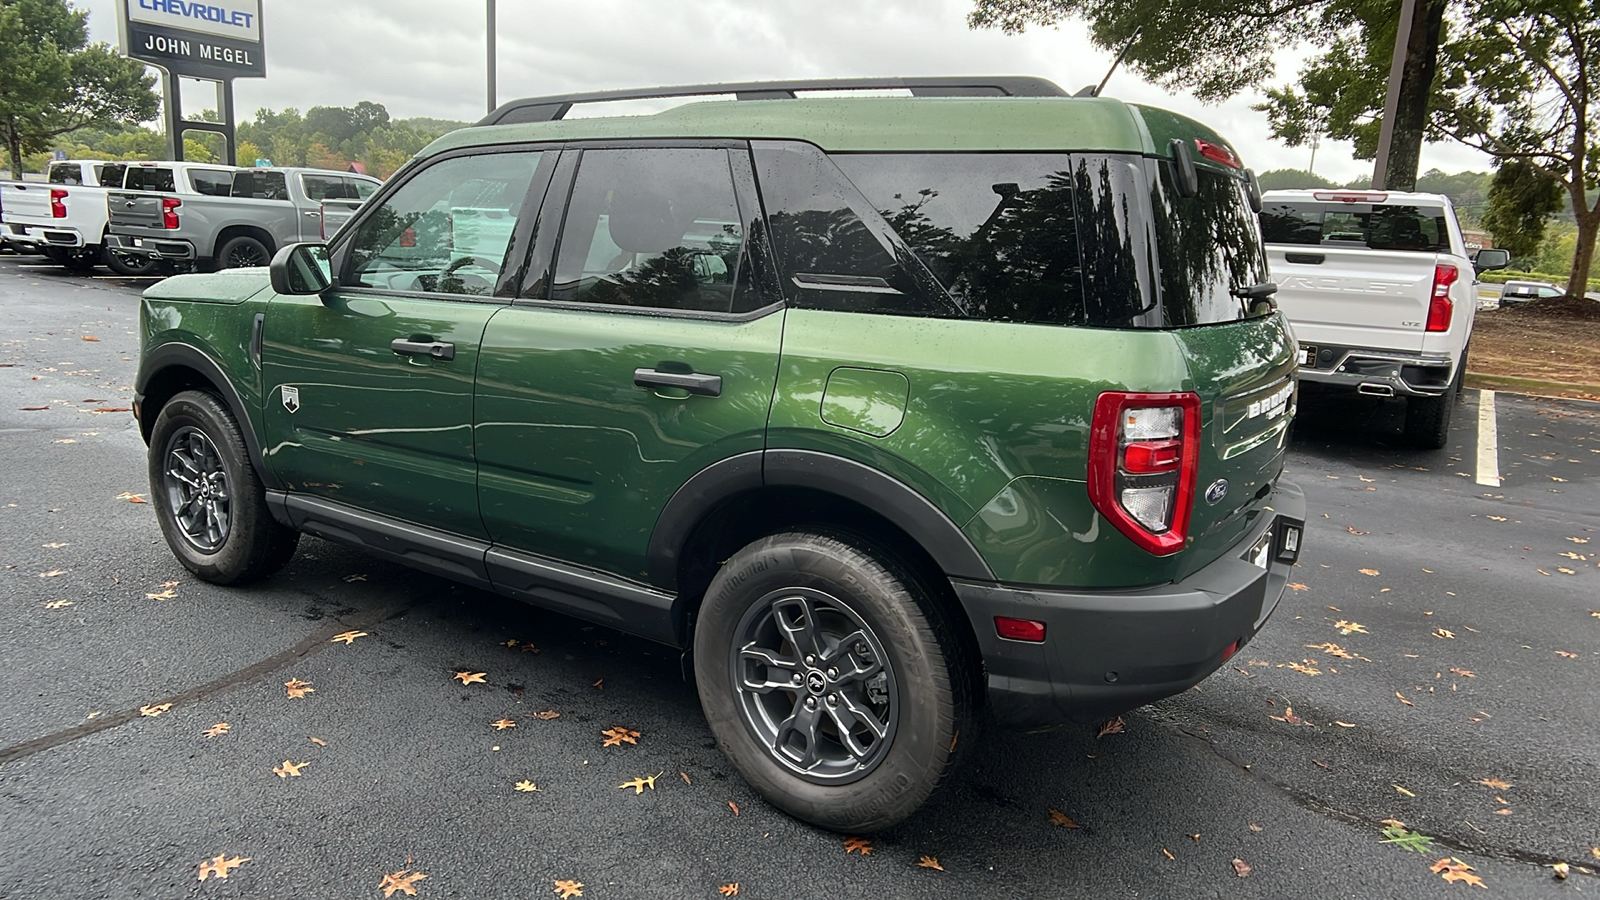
(1488, 441)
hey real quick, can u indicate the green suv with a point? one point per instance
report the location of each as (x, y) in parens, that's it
(894, 413)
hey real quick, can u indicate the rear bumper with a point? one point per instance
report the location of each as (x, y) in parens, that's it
(42, 235)
(1380, 373)
(1106, 653)
(158, 247)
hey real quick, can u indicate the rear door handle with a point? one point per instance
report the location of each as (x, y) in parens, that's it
(421, 345)
(693, 382)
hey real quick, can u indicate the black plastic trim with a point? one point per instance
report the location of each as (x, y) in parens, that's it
(595, 596)
(428, 549)
(174, 354)
(693, 499)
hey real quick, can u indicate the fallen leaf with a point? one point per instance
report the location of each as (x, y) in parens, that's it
(1350, 627)
(1414, 841)
(1301, 668)
(640, 783)
(58, 604)
(89, 337)
(1499, 518)
(1168, 854)
(503, 724)
(470, 677)
(1566, 654)
(57, 545)
(33, 408)
(547, 715)
(1565, 571)
(289, 769)
(1288, 716)
(400, 881)
(735, 807)
(1240, 867)
(1333, 649)
(106, 409)
(729, 890)
(685, 777)
(929, 862)
(510, 643)
(1502, 812)
(221, 866)
(296, 688)
(1111, 726)
(347, 638)
(599, 684)
(527, 786)
(1344, 724)
(318, 741)
(859, 845)
(1402, 790)
(352, 579)
(1443, 633)
(1495, 783)
(1577, 556)
(1453, 870)
(52, 573)
(1561, 870)
(617, 736)
(569, 888)
(1403, 699)
(1061, 819)
(1372, 572)
(1352, 530)
(132, 498)
(217, 730)
(1464, 673)
(156, 710)
(65, 441)
(1316, 762)
(163, 595)
(1254, 827)
(1297, 586)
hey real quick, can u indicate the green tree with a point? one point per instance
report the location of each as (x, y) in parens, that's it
(1521, 200)
(1292, 180)
(246, 154)
(53, 81)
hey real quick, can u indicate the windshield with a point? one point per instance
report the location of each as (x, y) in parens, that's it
(1356, 226)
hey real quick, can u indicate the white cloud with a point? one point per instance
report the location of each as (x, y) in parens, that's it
(426, 57)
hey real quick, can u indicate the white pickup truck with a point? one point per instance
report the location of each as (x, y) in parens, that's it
(1381, 293)
(64, 216)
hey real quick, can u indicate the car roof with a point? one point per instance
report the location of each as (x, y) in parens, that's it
(882, 124)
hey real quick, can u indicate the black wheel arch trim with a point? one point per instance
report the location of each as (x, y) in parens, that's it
(889, 497)
(174, 354)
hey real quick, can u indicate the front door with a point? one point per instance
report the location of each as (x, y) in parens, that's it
(369, 387)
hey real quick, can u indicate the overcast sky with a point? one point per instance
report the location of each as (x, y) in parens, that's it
(426, 58)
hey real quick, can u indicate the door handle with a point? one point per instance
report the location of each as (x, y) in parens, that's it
(422, 345)
(693, 382)
(312, 214)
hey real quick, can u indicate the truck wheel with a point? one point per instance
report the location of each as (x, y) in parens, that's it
(831, 680)
(128, 264)
(76, 259)
(242, 251)
(207, 496)
(1428, 419)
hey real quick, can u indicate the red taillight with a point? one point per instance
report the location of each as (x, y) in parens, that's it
(322, 220)
(169, 211)
(1144, 453)
(1019, 629)
(1439, 305)
(1217, 153)
(58, 208)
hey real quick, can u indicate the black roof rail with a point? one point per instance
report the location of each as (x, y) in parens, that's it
(549, 109)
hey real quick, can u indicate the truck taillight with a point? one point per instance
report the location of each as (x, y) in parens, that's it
(1439, 306)
(58, 206)
(169, 211)
(322, 220)
(1144, 453)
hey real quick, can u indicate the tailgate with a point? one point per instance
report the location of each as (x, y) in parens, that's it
(1354, 298)
(28, 203)
(136, 210)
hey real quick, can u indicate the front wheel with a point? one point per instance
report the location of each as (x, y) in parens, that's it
(207, 496)
(831, 680)
(243, 252)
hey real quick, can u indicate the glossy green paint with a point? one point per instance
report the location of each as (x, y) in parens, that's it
(220, 329)
(226, 286)
(870, 401)
(575, 461)
(387, 433)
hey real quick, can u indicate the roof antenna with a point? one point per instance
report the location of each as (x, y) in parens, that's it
(1095, 90)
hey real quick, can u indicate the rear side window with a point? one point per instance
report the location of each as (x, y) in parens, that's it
(71, 173)
(327, 187)
(261, 185)
(111, 174)
(1208, 249)
(149, 178)
(211, 182)
(364, 189)
(1356, 225)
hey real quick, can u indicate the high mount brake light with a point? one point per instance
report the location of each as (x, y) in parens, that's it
(58, 209)
(1440, 306)
(1144, 454)
(1217, 153)
(169, 211)
(1352, 196)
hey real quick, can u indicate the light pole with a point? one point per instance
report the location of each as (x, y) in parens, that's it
(1391, 103)
(492, 103)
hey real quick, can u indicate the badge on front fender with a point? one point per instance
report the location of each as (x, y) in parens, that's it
(291, 397)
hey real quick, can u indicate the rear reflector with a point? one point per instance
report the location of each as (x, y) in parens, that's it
(1019, 629)
(1229, 651)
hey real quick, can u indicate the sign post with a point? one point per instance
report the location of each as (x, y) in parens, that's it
(209, 40)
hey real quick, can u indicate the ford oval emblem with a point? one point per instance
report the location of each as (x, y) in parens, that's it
(1217, 491)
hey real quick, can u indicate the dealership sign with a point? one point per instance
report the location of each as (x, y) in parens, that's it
(213, 39)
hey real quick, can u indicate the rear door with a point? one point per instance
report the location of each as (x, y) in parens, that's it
(648, 354)
(369, 386)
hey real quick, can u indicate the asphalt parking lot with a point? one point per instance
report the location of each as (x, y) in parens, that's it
(1436, 664)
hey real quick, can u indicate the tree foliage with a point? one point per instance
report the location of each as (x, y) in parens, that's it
(53, 81)
(1521, 199)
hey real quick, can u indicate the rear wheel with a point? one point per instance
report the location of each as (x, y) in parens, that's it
(242, 251)
(830, 680)
(128, 264)
(78, 259)
(1428, 419)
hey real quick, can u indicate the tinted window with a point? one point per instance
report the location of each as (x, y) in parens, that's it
(66, 174)
(211, 182)
(111, 174)
(836, 251)
(651, 227)
(149, 178)
(364, 189)
(327, 187)
(261, 185)
(1208, 249)
(446, 229)
(1356, 225)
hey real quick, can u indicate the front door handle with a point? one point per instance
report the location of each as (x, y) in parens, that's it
(422, 345)
(693, 382)
(313, 214)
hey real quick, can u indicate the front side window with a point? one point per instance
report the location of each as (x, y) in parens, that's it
(447, 229)
(211, 182)
(1357, 226)
(657, 227)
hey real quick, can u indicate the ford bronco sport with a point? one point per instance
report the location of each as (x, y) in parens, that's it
(892, 412)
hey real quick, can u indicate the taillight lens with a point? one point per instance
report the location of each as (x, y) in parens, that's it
(169, 211)
(322, 220)
(1439, 306)
(58, 206)
(1217, 153)
(1144, 453)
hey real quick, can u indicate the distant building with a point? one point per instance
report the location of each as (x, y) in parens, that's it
(360, 168)
(1477, 240)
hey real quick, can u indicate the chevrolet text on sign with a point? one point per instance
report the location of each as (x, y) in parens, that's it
(216, 39)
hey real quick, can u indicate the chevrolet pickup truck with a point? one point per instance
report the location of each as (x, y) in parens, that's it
(1381, 292)
(64, 216)
(222, 217)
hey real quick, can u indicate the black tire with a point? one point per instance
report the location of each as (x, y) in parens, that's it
(242, 251)
(907, 695)
(76, 259)
(128, 264)
(208, 497)
(1428, 420)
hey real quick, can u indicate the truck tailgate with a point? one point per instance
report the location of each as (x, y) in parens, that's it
(28, 203)
(1356, 297)
(135, 210)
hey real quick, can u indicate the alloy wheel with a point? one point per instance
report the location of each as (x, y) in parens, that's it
(197, 488)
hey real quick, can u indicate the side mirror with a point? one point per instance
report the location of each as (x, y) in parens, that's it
(301, 269)
(1491, 258)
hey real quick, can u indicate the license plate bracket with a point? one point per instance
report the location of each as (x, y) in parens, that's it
(1308, 356)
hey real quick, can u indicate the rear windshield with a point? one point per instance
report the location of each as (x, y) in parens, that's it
(1356, 225)
(149, 178)
(1069, 239)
